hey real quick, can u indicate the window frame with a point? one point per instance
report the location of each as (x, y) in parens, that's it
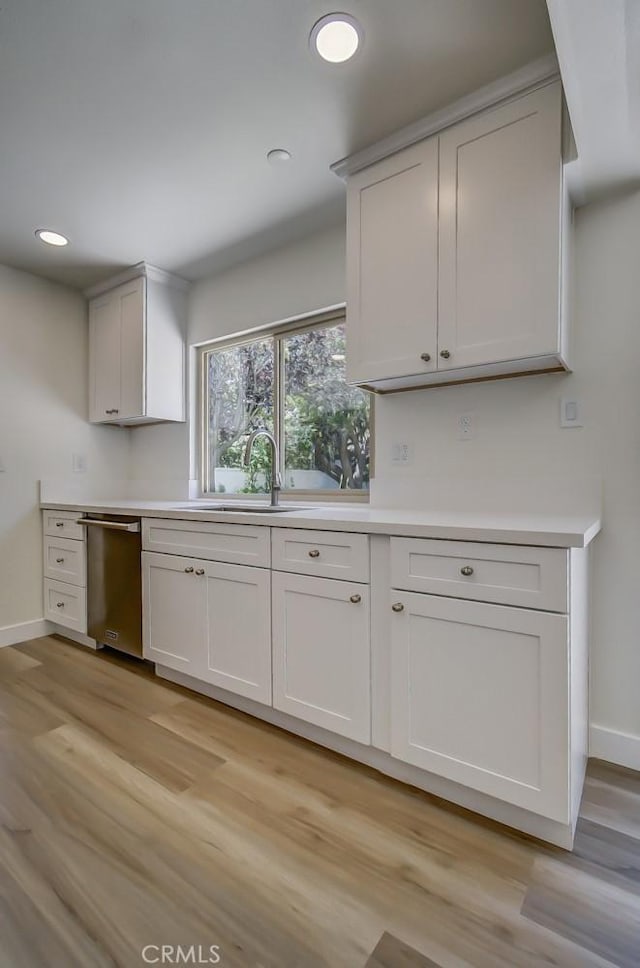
(278, 332)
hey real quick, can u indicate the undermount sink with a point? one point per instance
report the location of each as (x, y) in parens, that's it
(248, 508)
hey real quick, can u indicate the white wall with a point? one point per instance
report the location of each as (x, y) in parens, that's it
(518, 433)
(43, 421)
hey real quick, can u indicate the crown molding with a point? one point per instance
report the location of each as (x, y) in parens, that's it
(135, 272)
(534, 75)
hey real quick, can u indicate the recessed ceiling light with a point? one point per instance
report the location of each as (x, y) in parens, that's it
(51, 238)
(278, 156)
(336, 37)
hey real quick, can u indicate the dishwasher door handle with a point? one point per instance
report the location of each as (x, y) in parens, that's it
(111, 525)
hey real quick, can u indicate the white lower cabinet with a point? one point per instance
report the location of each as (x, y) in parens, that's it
(238, 643)
(209, 620)
(480, 695)
(321, 653)
(173, 612)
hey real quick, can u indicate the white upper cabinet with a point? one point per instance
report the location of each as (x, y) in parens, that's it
(500, 210)
(137, 349)
(392, 245)
(454, 251)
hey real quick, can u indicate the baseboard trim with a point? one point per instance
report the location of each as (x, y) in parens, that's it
(23, 631)
(614, 747)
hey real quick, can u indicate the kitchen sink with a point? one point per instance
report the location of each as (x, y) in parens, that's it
(246, 508)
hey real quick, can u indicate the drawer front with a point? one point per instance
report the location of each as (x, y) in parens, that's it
(62, 524)
(65, 604)
(65, 560)
(239, 544)
(328, 554)
(504, 574)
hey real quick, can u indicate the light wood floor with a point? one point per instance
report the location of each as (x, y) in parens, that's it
(134, 813)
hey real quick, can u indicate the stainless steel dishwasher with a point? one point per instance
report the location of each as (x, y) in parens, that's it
(114, 581)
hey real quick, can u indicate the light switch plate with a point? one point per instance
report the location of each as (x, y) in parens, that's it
(570, 413)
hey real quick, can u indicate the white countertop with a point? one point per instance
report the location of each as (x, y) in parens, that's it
(561, 531)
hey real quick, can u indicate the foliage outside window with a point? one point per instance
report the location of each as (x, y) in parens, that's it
(293, 383)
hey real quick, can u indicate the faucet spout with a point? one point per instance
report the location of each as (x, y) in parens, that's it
(276, 481)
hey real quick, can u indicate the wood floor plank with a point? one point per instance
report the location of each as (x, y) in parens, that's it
(13, 662)
(133, 812)
(595, 914)
(393, 953)
(160, 753)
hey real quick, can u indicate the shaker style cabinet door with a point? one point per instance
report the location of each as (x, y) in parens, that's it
(479, 695)
(500, 233)
(392, 266)
(104, 359)
(238, 646)
(321, 653)
(174, 606)
(117, 356)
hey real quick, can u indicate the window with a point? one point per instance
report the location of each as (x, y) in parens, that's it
(292, 382)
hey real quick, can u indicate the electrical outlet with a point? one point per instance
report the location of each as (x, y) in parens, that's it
(466, 426)
(401, 453)
(79, 463)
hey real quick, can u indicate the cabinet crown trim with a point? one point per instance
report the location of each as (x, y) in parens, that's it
(140, 269)
(526, 79)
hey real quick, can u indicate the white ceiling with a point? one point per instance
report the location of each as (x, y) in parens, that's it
(139, 128)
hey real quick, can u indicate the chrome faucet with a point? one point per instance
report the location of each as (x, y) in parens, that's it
(276, 482)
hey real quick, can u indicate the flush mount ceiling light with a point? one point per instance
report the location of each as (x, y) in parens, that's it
(336, 37)
(278, 156)
(51, 238)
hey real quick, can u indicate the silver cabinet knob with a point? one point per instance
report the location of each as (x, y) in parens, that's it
(314, 554)
(426, 357)
(59, 604)
(188, 571)
(467, 571)
(398, 607)
(199, 571)
(355, 599)
(59, 561)
(59, 524)
(445, 354)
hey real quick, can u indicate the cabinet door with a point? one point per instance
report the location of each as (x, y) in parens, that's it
(104, 359)
(321, 653)
(500, 207)
(238, 652)
(174, 612)
(392, 266)
(131, 308)
(479, 694)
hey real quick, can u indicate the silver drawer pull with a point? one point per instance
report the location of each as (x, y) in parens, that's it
(314, 554)
(59, 561)
(355, 599)
(59, 604)
(467, 571)
(199, 571)
(59, 524)
(398, 607)
(188, 571)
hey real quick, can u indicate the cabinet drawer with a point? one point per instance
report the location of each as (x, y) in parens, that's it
(62, 524)
(65, 560)
(239, 544)
(504, 574)
(65, 604)
(328, 554)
